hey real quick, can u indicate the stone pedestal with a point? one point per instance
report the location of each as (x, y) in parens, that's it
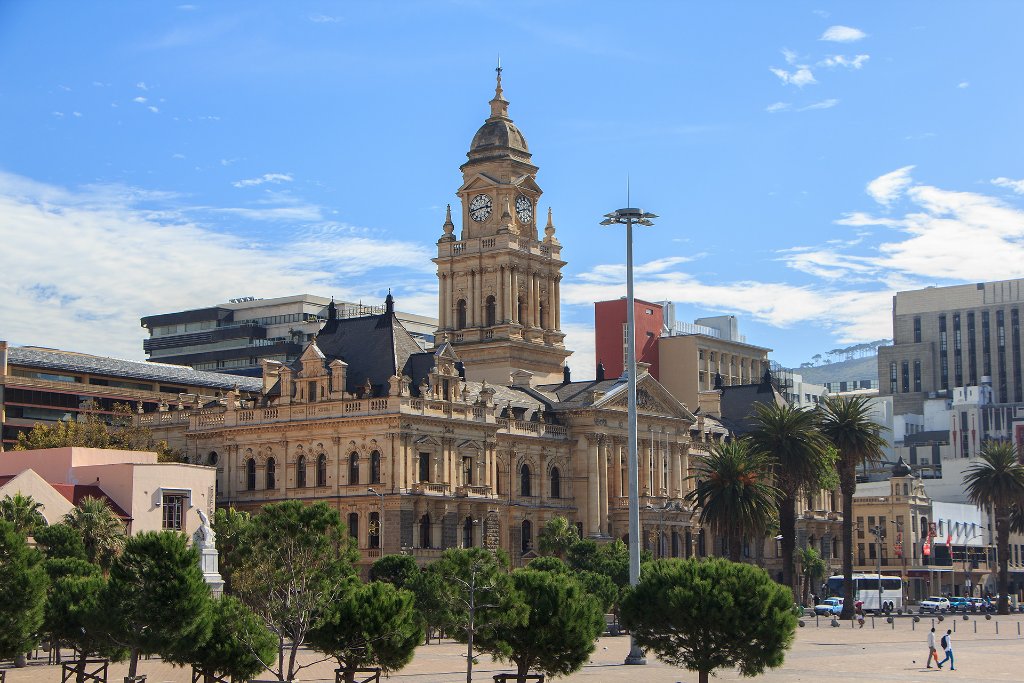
(208, 561)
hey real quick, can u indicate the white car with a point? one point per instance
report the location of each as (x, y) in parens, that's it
(936, 603)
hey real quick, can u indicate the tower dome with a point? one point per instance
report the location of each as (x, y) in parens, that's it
(499, 138)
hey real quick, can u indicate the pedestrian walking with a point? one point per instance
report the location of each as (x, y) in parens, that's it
(858, 610)
(932, 652)
(947, 645)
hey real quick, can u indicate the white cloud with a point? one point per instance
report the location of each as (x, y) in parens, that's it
(823, 104)
(69, 251)
(790, 56)
(777, 107)
(886, 188)
(1015, 185)
(155, 110)
(77, 114)
(265, 178)
(854, 62)
(140, 99)
(842, 34)
(323, 19)
(58, 114)
(177, 155)
(141, 85)
(800, 77)
(963, 84)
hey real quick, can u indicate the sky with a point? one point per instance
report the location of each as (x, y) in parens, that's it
(807, 159)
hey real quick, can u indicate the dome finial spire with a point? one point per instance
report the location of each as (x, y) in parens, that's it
(499, 105)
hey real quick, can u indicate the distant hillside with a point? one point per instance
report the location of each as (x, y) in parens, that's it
(858, 368)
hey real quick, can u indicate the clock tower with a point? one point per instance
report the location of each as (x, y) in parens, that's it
(498, 302)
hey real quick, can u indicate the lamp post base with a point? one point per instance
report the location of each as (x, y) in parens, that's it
(636, 655)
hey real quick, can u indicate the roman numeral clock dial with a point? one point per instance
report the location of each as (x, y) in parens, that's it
(480, 208)
(524, 209)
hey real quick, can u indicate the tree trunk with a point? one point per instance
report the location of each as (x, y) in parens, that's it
(80, 668)
(787, 525)
(280, 658)
(735, 548)
(469, 650)
(522, 669)
(291, 660)
(847, 485)
(702, 677)
(1003, 550)
(133, 663)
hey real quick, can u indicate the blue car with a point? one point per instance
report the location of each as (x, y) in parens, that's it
(829, 607)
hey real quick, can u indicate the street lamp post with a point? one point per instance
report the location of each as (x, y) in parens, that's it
(628, 217)
(879, 531)
(380, 520)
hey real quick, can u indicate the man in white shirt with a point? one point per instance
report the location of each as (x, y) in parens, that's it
(932, 652)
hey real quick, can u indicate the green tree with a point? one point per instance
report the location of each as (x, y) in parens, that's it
(476, 586)
(292, 568)
(74, 613)
(812, 568)
(997, 481)
(369, 625)
(239, 645)
(734, 492)
(602, 588)
(708, 614)
(801, 459)
(398, 570)
(22, 592)
(60, 541)
(559, 633)
(156, 601)
(230, 526)
(557, 537)
(101, 529)
(432, 607)
(610, 559)
(846, 422)
(24, 512)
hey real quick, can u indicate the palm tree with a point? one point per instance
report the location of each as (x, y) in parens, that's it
(23, 512)
(101, 529)
(846, 422)
(997, 481)
(734, 493)
(557, 536)
(789, 437)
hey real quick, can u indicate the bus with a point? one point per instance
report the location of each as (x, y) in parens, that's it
(865, 589)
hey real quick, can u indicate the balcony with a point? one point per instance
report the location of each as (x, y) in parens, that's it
(430, 487)
(473, 490)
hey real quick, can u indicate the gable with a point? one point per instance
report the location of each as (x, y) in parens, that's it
(652, 398)
(479, 181)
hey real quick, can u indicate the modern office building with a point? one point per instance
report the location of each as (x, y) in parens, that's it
(46, 385)
(949, 337)
(234, 337)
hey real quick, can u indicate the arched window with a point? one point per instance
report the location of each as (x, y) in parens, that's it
(271, 474)
(353, 525)
(353, 468)
(425, 531)
(543, 315)
(490, 312)
(522, 310)
(467, 533)
(375, 467)
(524, 480)
(300, 472)
(374, 530)
(556, 483)
(687, 544)
(250, 475)
(460, 315)
(527, 528)
(321, 470)
(213, 458)
(675, 544)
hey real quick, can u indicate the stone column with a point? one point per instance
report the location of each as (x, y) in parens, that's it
(514, 295)
(593, 487)
(556, 306)
(442, 298)
(603, 487)
(645, 468)
(617, 468)
(673, 471)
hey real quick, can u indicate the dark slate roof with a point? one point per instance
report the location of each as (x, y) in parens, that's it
(67, 361)
(570, 395)
(375, 347)
(738, 404)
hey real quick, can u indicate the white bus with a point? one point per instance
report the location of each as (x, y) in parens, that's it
(865, 589)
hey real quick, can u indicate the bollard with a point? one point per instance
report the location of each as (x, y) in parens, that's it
(988, 617)
(1018, 629)
(872, 622)
(997, 627)
(954, 626)
(975, 627)
(891, 621)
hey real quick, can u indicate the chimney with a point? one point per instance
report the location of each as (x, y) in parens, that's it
(600, 372)
(566, 374)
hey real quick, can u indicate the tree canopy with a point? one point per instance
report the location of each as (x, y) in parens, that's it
(61, 541)
(24, 512)
(22, 592)
(102, 531)
(557, 537)
(398, 570)
(708, 614)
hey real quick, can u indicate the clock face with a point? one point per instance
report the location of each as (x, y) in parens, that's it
(524, 209)
(480, 208)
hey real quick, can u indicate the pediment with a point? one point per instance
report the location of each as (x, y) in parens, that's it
(652, 398)
(479, 181)
(528, 182)
(446, 351)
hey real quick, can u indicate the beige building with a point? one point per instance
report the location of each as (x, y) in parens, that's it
(147, 494)
(690, 364)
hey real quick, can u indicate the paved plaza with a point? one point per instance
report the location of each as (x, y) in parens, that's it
(882, 653)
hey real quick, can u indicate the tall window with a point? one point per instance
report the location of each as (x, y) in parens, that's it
(905, 372)
(1004, 396)
(373, 530)
(522, 311)
(1018, 390)
(917, 375)
(467, 471)
(986, 345)
(943, 357)
(353, 468)
(174, 511)
(958, 363)
(524, 480)
(892, 378)
(917, 330)
(460, 315)
(543, 315)
(425, 531)
(467, 533)
(300, 472)
(375, 467)
(424, 466)
(972, 360)
(271, 473)
(556, 483)
(250, 475)
(321, 470)
(490, 312)
(353, 525)
(527, 530)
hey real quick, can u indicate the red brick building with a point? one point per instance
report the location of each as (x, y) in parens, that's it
(610, 334)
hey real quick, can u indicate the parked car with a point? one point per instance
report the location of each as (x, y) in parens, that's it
(959, 604)
(935, 604)
(981, 605)
(829, 607)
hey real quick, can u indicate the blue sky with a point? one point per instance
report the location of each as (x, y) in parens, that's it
(807, 159)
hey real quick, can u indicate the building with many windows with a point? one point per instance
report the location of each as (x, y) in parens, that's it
(949, 337)
(234, 337)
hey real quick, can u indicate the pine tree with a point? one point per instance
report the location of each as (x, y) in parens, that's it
(22, 592)
(239, 645)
